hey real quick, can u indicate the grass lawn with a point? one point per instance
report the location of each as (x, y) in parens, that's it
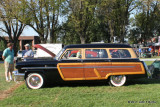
(142, 92)
(153, 57)
(148, 62)
(3, 84)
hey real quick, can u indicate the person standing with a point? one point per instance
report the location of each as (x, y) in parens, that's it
(140, 52)
(27, 53)
(8, 57)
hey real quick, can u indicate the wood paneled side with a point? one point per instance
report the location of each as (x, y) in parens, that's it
(71, 71)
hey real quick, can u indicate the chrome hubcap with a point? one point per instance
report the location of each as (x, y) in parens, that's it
(117, 79)
(34, 81)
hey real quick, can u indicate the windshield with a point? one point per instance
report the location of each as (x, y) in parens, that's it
(59, 54)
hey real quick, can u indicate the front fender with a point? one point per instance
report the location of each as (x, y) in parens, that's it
(27, 72)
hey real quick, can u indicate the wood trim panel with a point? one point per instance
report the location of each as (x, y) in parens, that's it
(74, 71)
(71, 71)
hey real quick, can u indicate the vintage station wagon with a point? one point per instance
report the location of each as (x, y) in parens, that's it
(113, 62)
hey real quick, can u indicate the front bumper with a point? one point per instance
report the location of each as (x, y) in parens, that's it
(18, 76)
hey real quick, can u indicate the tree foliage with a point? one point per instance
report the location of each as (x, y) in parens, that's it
(146, 21)
(82, 21)
(10, 24)
(43, 17)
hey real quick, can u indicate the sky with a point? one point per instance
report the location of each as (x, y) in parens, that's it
(28, 31)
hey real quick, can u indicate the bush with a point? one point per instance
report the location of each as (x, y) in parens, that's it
(2, 45)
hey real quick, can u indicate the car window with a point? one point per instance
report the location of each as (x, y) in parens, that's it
(96, 53)
(119, 53)
(72, 54)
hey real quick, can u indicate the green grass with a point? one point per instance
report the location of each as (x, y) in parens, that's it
(153, 57)
(148, 62)
(142, 93)
(3, 84)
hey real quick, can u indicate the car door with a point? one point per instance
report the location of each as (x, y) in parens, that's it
(96, 64)
(70, 66)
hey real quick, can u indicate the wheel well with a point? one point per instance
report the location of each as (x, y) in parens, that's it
(29, 72)
(113, 75)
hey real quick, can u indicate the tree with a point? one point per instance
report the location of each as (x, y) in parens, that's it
(81, 16)
(11, 25)
(146, 20)
(43, 17)
(3, 45)
(114, 14)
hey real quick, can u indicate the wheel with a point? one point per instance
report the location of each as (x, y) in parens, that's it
(117, 80)
(35, 81)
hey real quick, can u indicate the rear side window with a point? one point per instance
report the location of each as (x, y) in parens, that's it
(96, 53)
(119, 53)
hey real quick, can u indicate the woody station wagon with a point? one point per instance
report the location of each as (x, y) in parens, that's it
(113, 62)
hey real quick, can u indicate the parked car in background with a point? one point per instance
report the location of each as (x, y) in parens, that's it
(155, 69)
(115, 63)
(146, 53)
(1, 53)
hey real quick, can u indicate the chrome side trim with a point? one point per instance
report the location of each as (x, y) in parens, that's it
(102, 67)
(106, 71)
(39, 68)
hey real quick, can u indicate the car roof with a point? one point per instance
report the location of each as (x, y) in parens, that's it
(98, 46)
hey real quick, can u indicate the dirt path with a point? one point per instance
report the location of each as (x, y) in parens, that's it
(4, 94)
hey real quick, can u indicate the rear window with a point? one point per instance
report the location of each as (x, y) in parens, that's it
(96, 53)
(119, 53)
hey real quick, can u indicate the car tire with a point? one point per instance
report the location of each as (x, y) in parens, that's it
(35, 81)
(117, 80)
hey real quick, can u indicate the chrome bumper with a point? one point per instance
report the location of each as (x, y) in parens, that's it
(149, 73)
(18, 76)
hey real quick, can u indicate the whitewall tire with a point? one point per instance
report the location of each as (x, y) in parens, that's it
(117, 80)
(35, 81)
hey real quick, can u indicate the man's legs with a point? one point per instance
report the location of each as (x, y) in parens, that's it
(6, 65)
(11, 69)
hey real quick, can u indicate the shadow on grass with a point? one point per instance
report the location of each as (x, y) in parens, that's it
(79, 84)
(97, 83)
(143, 81)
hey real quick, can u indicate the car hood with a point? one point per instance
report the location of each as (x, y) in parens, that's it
(44, 49)
(36, 63)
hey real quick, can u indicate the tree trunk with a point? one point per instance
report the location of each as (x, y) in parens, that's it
(83, 41)
(111, 31)
(42, 39)
(52, 36)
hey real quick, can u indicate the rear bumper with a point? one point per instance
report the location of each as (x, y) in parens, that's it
(18, 76)
(149, 73)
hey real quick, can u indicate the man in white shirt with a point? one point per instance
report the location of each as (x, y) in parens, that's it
(27, 53)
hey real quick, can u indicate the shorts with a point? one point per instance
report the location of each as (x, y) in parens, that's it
(8, 67)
